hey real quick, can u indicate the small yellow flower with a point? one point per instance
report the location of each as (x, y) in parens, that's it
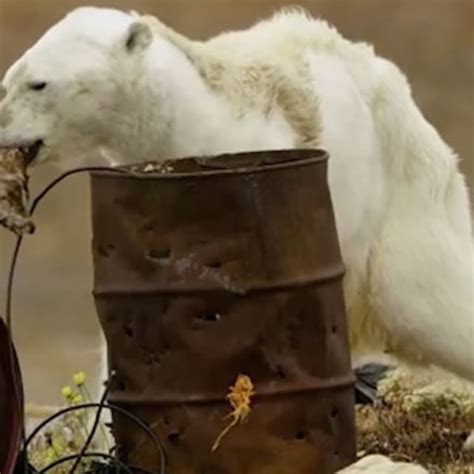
(50, 455)
(79, 379)
(77, 399)
(67, 393)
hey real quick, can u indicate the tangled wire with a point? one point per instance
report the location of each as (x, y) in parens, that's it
(102, 462)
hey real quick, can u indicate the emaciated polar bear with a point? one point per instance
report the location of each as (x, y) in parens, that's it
(117, 87)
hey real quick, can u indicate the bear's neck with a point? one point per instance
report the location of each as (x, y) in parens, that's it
(186, 117)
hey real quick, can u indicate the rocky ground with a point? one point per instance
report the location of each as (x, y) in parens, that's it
(418, 420)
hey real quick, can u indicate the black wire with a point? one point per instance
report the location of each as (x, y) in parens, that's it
(112, 408)
(93, 430)
(63, 176)
(16, 384)
(36, 201)
(11, 277)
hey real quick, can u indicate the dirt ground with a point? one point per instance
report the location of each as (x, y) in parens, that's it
(55, 325)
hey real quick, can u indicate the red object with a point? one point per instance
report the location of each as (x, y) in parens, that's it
(11, 403)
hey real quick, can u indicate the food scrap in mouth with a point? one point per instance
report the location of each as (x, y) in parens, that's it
(14, 194)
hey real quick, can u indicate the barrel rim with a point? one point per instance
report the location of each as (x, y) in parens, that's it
(263, 161)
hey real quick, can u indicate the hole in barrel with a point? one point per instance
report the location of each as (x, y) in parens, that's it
(102, 251)
(174, 437)
(164, 304)
(334, 328)
(334, 412)
(161, 256)
(280, 371)
(209, 317)
(300, 435)
(151, 359)
(128, 331)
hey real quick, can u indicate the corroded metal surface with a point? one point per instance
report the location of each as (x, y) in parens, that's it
(215, 268)
(11, 403)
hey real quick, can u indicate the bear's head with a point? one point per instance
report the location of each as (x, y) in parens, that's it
(72, 97)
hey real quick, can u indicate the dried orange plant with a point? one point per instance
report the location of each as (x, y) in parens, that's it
(240, 398)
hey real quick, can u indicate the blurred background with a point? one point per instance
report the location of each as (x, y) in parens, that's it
(55, 325)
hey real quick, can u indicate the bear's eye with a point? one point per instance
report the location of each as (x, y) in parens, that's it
(38, 86)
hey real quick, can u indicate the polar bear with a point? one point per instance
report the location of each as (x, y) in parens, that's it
(109, 86)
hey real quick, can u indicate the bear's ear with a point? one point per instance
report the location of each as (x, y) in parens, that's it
(138, 37)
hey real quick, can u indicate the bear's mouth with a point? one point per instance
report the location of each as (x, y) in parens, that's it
(31, 152)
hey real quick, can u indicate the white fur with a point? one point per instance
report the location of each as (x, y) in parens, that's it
(401, 205)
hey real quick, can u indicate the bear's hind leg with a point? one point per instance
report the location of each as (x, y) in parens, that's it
(421, 290)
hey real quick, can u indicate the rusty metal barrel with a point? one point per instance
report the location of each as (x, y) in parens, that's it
(210, 268)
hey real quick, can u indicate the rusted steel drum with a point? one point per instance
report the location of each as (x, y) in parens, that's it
(11, 403)
(215, 268)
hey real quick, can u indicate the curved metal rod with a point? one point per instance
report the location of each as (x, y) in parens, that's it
(36, 201)
(95, 425)
(8, 316)
(112, 408)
